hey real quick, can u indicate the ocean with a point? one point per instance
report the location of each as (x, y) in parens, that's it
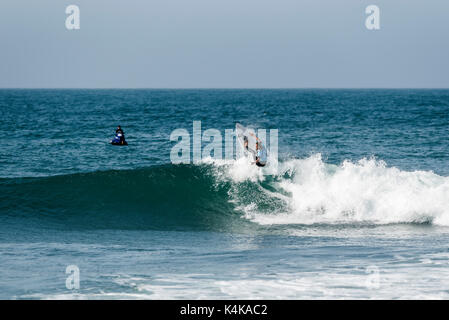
(357, 208)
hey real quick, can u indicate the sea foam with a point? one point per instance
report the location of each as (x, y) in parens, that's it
(366, 191)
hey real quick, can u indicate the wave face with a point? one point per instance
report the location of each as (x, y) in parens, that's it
(162, 197)
(230, 195)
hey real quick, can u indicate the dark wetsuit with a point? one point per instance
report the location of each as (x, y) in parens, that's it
(122, 137)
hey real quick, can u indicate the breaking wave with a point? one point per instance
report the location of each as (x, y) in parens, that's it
(231, 195)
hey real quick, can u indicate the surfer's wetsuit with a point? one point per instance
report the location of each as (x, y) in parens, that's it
(122, 137)
(261, 156)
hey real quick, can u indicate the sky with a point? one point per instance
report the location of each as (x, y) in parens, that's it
(224, 44)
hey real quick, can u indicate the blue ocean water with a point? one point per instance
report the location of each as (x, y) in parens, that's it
(358, 208)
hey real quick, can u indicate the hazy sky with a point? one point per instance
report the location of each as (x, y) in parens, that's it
(224, 43)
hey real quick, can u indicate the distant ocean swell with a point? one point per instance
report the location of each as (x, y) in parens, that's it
(230, 195)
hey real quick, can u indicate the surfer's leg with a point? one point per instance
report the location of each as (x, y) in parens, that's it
(245, 142)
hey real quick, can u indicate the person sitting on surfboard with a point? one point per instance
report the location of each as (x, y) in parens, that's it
(122, 136)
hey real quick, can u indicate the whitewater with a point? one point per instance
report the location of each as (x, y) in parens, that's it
(309, 191)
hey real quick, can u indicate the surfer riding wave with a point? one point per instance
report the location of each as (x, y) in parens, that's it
(260, 152)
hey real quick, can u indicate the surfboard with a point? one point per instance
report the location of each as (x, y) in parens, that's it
(242, 133)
